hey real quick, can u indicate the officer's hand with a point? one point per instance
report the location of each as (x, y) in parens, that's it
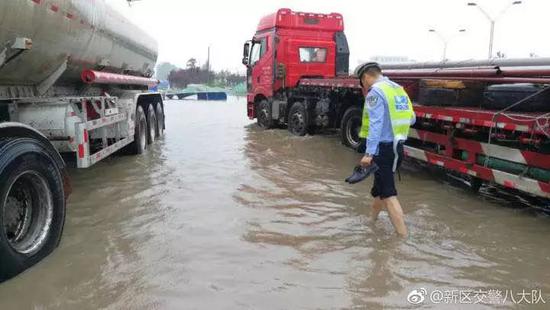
(366, 161)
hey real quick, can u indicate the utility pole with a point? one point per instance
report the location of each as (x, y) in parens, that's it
(492, 21)
(208, 61)
(208, 65)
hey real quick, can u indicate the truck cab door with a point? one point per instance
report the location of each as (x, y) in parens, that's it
(260, 71)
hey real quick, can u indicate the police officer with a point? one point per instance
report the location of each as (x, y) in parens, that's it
(387, 117)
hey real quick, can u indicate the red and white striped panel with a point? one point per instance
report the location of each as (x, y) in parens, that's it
(505, 179)
(528, 158)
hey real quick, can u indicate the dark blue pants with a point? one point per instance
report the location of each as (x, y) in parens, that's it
(384, 178)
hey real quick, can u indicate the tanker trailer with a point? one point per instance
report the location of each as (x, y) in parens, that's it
(74, 78)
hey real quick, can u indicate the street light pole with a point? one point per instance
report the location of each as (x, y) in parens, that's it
(492, 21)
(491, 39)
(445, 40)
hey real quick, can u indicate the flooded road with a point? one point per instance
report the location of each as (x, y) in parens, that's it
(222, 215)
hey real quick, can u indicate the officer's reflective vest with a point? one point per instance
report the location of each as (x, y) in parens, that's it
(400, 107)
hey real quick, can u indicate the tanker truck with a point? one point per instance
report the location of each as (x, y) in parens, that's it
(74, 79)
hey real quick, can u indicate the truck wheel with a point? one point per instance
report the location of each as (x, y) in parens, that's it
(151, 124)
(140, 135)
(298, 119)
(32, 205)
(350, 127)
(160, 120)
(263, 115)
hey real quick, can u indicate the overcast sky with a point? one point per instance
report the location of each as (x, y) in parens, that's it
(185, 29)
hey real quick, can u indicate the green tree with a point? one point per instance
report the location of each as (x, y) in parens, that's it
(163, 70)
(191, 63)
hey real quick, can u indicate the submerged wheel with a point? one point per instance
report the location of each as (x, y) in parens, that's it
(140, 133)
(350, 127)
(160, 120)
(151, 124)
(32, 205)
(264, 115)
(298, 119)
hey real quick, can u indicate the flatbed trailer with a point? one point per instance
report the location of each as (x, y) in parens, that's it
(458, 152)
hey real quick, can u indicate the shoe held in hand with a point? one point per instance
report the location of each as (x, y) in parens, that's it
(361, 173)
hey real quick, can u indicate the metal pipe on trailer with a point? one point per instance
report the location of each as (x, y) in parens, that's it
(539, 71)
(98, 77)
(451, 73)
(532, 72)
(513, 62)
(495, 80)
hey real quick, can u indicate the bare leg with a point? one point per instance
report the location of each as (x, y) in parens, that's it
(396, 215)
(377, 206)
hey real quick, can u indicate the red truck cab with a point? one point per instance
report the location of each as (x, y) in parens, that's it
(289, 46)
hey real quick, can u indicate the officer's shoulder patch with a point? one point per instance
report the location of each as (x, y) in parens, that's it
(372, 100)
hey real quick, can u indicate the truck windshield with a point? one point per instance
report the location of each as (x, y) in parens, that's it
(313, 54)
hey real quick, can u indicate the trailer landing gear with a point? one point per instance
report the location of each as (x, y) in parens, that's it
(475, 184)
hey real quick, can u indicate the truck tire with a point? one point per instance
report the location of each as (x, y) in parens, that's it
(140, 133)
(32, 205)
(350, 127)
(152, 133)
(298, 119)
(160, 120)
(264, 116)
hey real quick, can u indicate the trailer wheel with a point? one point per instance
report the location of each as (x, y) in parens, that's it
(140, 135)
(298, 119)
(32, 205)
(160, 120)
(152, 133)
(350, 127)
(264, 115)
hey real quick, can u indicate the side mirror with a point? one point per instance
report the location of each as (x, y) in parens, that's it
(246, 51)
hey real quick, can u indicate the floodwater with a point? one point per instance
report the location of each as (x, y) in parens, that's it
(222, 215)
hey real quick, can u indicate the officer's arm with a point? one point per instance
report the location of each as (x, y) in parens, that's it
(375, 106)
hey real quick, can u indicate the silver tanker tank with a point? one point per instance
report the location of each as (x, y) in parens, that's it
(86, 34)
